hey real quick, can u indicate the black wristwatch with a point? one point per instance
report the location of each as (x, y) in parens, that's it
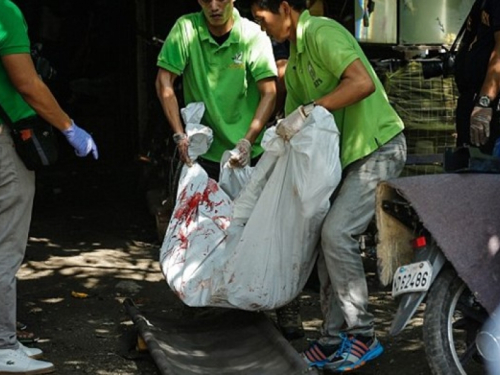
(484, 101)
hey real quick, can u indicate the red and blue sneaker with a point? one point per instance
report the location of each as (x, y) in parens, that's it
(352, 353)
(318, 355)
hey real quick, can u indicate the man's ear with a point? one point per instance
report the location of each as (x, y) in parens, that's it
(287, 9)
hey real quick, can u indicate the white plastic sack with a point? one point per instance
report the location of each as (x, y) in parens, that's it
(231, 179)
(200, 136)
(257, 252)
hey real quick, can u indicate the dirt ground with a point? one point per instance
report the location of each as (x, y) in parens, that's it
(93, 243)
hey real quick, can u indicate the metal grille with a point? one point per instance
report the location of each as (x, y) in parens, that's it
(427, 107)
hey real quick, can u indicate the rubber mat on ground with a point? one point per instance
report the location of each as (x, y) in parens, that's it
(218, 342)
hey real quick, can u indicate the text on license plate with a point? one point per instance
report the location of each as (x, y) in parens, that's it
(414, 277)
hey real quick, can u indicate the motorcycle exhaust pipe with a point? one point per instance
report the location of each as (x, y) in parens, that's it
(488, 344)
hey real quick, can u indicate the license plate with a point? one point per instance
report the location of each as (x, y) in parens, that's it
(414, 277)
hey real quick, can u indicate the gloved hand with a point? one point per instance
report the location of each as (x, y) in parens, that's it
(292, 123)
(242, 159)
(480, 125)
(81, 141)
(182, 142)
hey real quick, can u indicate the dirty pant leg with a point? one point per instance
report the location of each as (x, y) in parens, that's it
(344, 292)
(17, 189)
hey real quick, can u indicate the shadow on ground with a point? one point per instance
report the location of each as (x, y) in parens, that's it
(93, 243)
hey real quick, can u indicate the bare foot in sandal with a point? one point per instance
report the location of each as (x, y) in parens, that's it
(24, 336)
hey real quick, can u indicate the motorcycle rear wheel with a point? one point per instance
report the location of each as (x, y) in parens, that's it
(449, 327)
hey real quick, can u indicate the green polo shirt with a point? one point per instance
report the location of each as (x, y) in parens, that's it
(224, 77)
(13, 40)
(324, 49)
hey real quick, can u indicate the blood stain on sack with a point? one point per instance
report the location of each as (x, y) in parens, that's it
(189, 207)
(184, 241)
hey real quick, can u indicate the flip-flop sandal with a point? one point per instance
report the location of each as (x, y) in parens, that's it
(24, 336)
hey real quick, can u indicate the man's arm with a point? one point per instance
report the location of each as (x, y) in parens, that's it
(24, 78)
(267, 89)
(480, 118)
(491, 84)
(166, 94)
(280, 86)
(355, 85)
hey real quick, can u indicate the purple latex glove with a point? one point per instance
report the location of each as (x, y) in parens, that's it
(81, 141)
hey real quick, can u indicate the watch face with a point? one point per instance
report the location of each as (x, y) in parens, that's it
(484, 101)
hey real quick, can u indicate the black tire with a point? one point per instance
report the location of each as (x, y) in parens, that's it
(445, 344)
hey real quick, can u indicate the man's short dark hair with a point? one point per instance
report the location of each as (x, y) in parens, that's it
(274, 5)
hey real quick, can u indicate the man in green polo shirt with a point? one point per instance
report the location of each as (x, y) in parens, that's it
(327, 67)
(22, 95)
(227, 63)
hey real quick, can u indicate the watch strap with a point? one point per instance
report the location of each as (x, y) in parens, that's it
(179, 137)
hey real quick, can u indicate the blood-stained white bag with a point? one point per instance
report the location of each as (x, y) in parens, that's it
(257, 252)
(232, 179)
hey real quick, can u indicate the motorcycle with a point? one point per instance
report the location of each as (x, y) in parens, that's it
(438, 251)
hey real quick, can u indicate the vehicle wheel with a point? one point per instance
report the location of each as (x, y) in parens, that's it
(451, 320)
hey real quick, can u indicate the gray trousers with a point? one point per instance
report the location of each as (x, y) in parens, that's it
(17, 190)
(344, 292)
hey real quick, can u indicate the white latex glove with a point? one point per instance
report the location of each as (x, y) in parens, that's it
(242, 158)
(480, 125)
(292, 123)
